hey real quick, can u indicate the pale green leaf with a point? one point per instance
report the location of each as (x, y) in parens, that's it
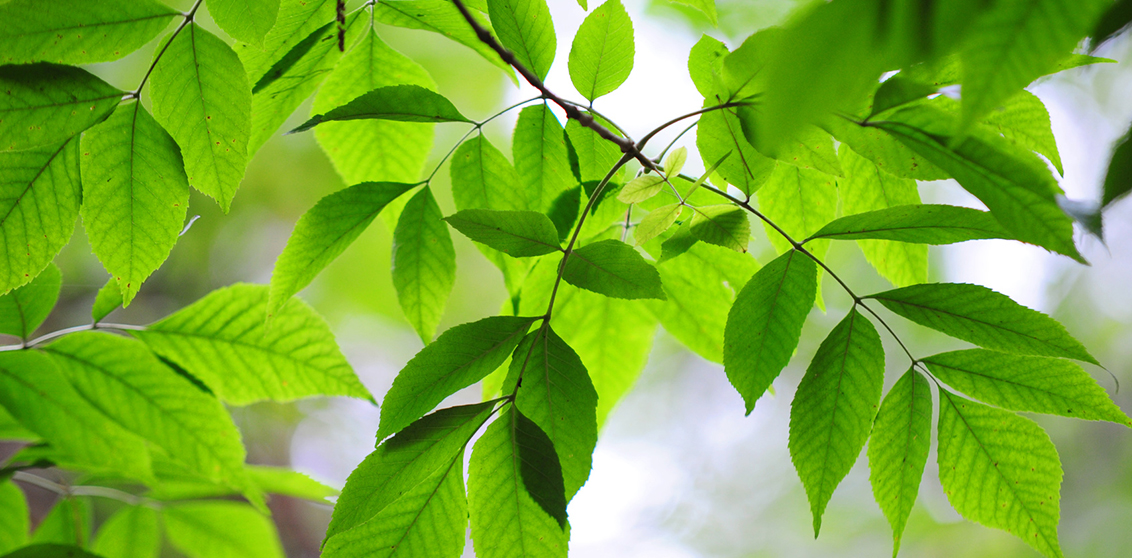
(705, 65)
(24, 309)
(400, 103)
(424, 263)
(14, 520)
(641, 188)
(765, 323)
(800, 201)
(221, 339)
(525, 28)
(135, 195)
(40, 194)
(442, 17)
(131, 532)
(245, 20)
(45, 104)
(719, 133)
(515, 233)
(833, 410)
(706, 7)
(884, 151)
(1000, 470)
(675, 160)
(723, 225)
(601, 55)
(457, 359)
(1026, 383)
(201, 95)
(612, 268)
(596, 156)
(656, 222)
(323, 233)
(539, 150)
(984, 317)
(1024, 120)
(925, 224)
(898, 449)
(78, 31)
(219, 529)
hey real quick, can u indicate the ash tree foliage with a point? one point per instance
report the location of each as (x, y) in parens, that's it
(817, 130)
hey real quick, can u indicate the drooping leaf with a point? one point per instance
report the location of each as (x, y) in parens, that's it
(765, 323)
(1026, 383)
(525, 28)
(218, 529)
(834, 407)
(457, 359)
(723, 225)
(984, 317)
(705, 65)
(245, 20)
(656, 222)
(222, 340)
(1000, 470)
(612, 268)
(45, 104)
(201, 95)
(108, 299)
(438, 16)
(14, 520)
(78, 32)
(925, 224)
(24, 309)
(1024, 120)
(719, 133)
(601, 55)
(898, 449)
(424, 263)
(400, 103)
(135, 195)
(516, 233)
(541, 161)
(1118, 179)
(324, 232)
(130, 533)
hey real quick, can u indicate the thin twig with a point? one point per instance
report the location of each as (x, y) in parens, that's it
(136, 94)
(81, 490)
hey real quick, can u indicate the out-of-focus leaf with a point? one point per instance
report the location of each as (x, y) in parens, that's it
(1118, 180)
(218, 529)
(14, 520)
(24, 309)
(78, 32)
(132, 532)
(612, 268)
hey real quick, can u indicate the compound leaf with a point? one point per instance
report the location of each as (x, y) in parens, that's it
(78, 32)
(515, 233)
(525, 28)
(424, 263)
(44, 104)
(612, 268)
(24, 309)
(601, 55)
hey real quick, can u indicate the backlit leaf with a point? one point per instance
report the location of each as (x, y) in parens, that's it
(525, 28)
(719, 133)
(705, 64)
(14, 521)
(44, 104)
(132, 532)
(401, 103)
(24, 309)
(925, 224)
(516, 233)
(612, 268)
(108, 299)
(595, 155)
(641, 188)
(539, 466)
(723, 225)
(539, 150)
(424, 263)
(656, 222)
(706, 7)
(245, 20)
(601, 55)
(898, 449)
(438, 16)
(219, 529)
(1024, 120)
(78, 32)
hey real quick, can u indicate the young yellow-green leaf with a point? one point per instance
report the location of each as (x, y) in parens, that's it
(723, 225)
(14, 520)
(601, 55)
(924, 224)
(705, 65)
(525, 28)
(866, 188)
(719, 133)
(984, 317)
(24, 309)
(1000, 470)
(541, 160)
(201, 95)
(506, 521)
(34, 391)
(108, 299)
(44, 104)
(135, 195)
(765, 323)
(400, 103)
(612, 268)
(706, 7)
(898, 449)
(407, 497)
(1026, 383)
(132, 532)
(324, 232)
(675, 160)
(77, 31)
(1118, 178)
(442, 17)
(404, 146)
(245, 20)
(424, 263)
(834, 407)
(516, 233)
(222, 340)
(51, 550)
(124, 381)
(457, 359)
(218, 529)
(641, 188)
(557, 395)
(656, 222)
(1024, 120)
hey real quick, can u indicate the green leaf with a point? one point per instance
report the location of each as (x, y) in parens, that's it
(595, 155)
(984, 317)
(564, 212)
(14, 521)
(130, 533)
(539, 150)
(350, 145)
(51, 550)
(719, 133)
(294, 22)
(1118, 16)
(45, 104)
(525, 28)
(723, 225)
(222, 340)
(125, 382)
(220, 529)
(246, 21)
(78, 32)
(202, 96)
(601, 55)
(408, 495)
(424, 263)
(135, 195)
(41, 399)
(765, 323)
(656, 222)
(898, 91)
(278, 480)
(24, 309)
(612, 268)
(323, 233)
(516, 233)
(706, 7)
(898, 449)
(705, 65)
(1024, 120)
(1000, 470)
(506, 521)
(1118, 178)
(555, 392)
(809, 148)
(108, 299)
(834, 407)
(884, 150)
(1025, 383)
(866, 188)
(539, 467)
(800, 201)
(69, 522)
(400, 103)
(923, 224)
(457, 359)
(680, 242)
(675, 160)
(442, 17)
(641, 188)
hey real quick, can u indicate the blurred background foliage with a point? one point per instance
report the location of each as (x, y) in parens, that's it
(679, 471)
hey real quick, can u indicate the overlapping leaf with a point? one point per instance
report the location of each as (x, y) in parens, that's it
(132, 532)
(898, 449)
(438, 16)
(925, 224)
(45, 104)
(23, 309)
(14, 521)
(245, 20)
(218, 529)
(108, 299)
(541, 160)
(424, 263)
(78, 32)
(612, 268)
(399, 103)
(723, 225)
(601, 55)
(719, 133)
(516, 233)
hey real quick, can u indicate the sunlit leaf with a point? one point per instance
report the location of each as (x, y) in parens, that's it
(108, 299)
(706, 7)
(541, 161)
(723, 225)
(601, 55)
(78, 32)
(898, 449)
(656, 222)
(245, 20)
(705, 64)
(132, 532)
(424, 263)
(925, 224)
(516, 233)
(14, 520)
(45, 104)
(1024, 120)
(612, 268)
(218, 529)
(24, 309)
(438, 16)
(719, 133)
(525, 28)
